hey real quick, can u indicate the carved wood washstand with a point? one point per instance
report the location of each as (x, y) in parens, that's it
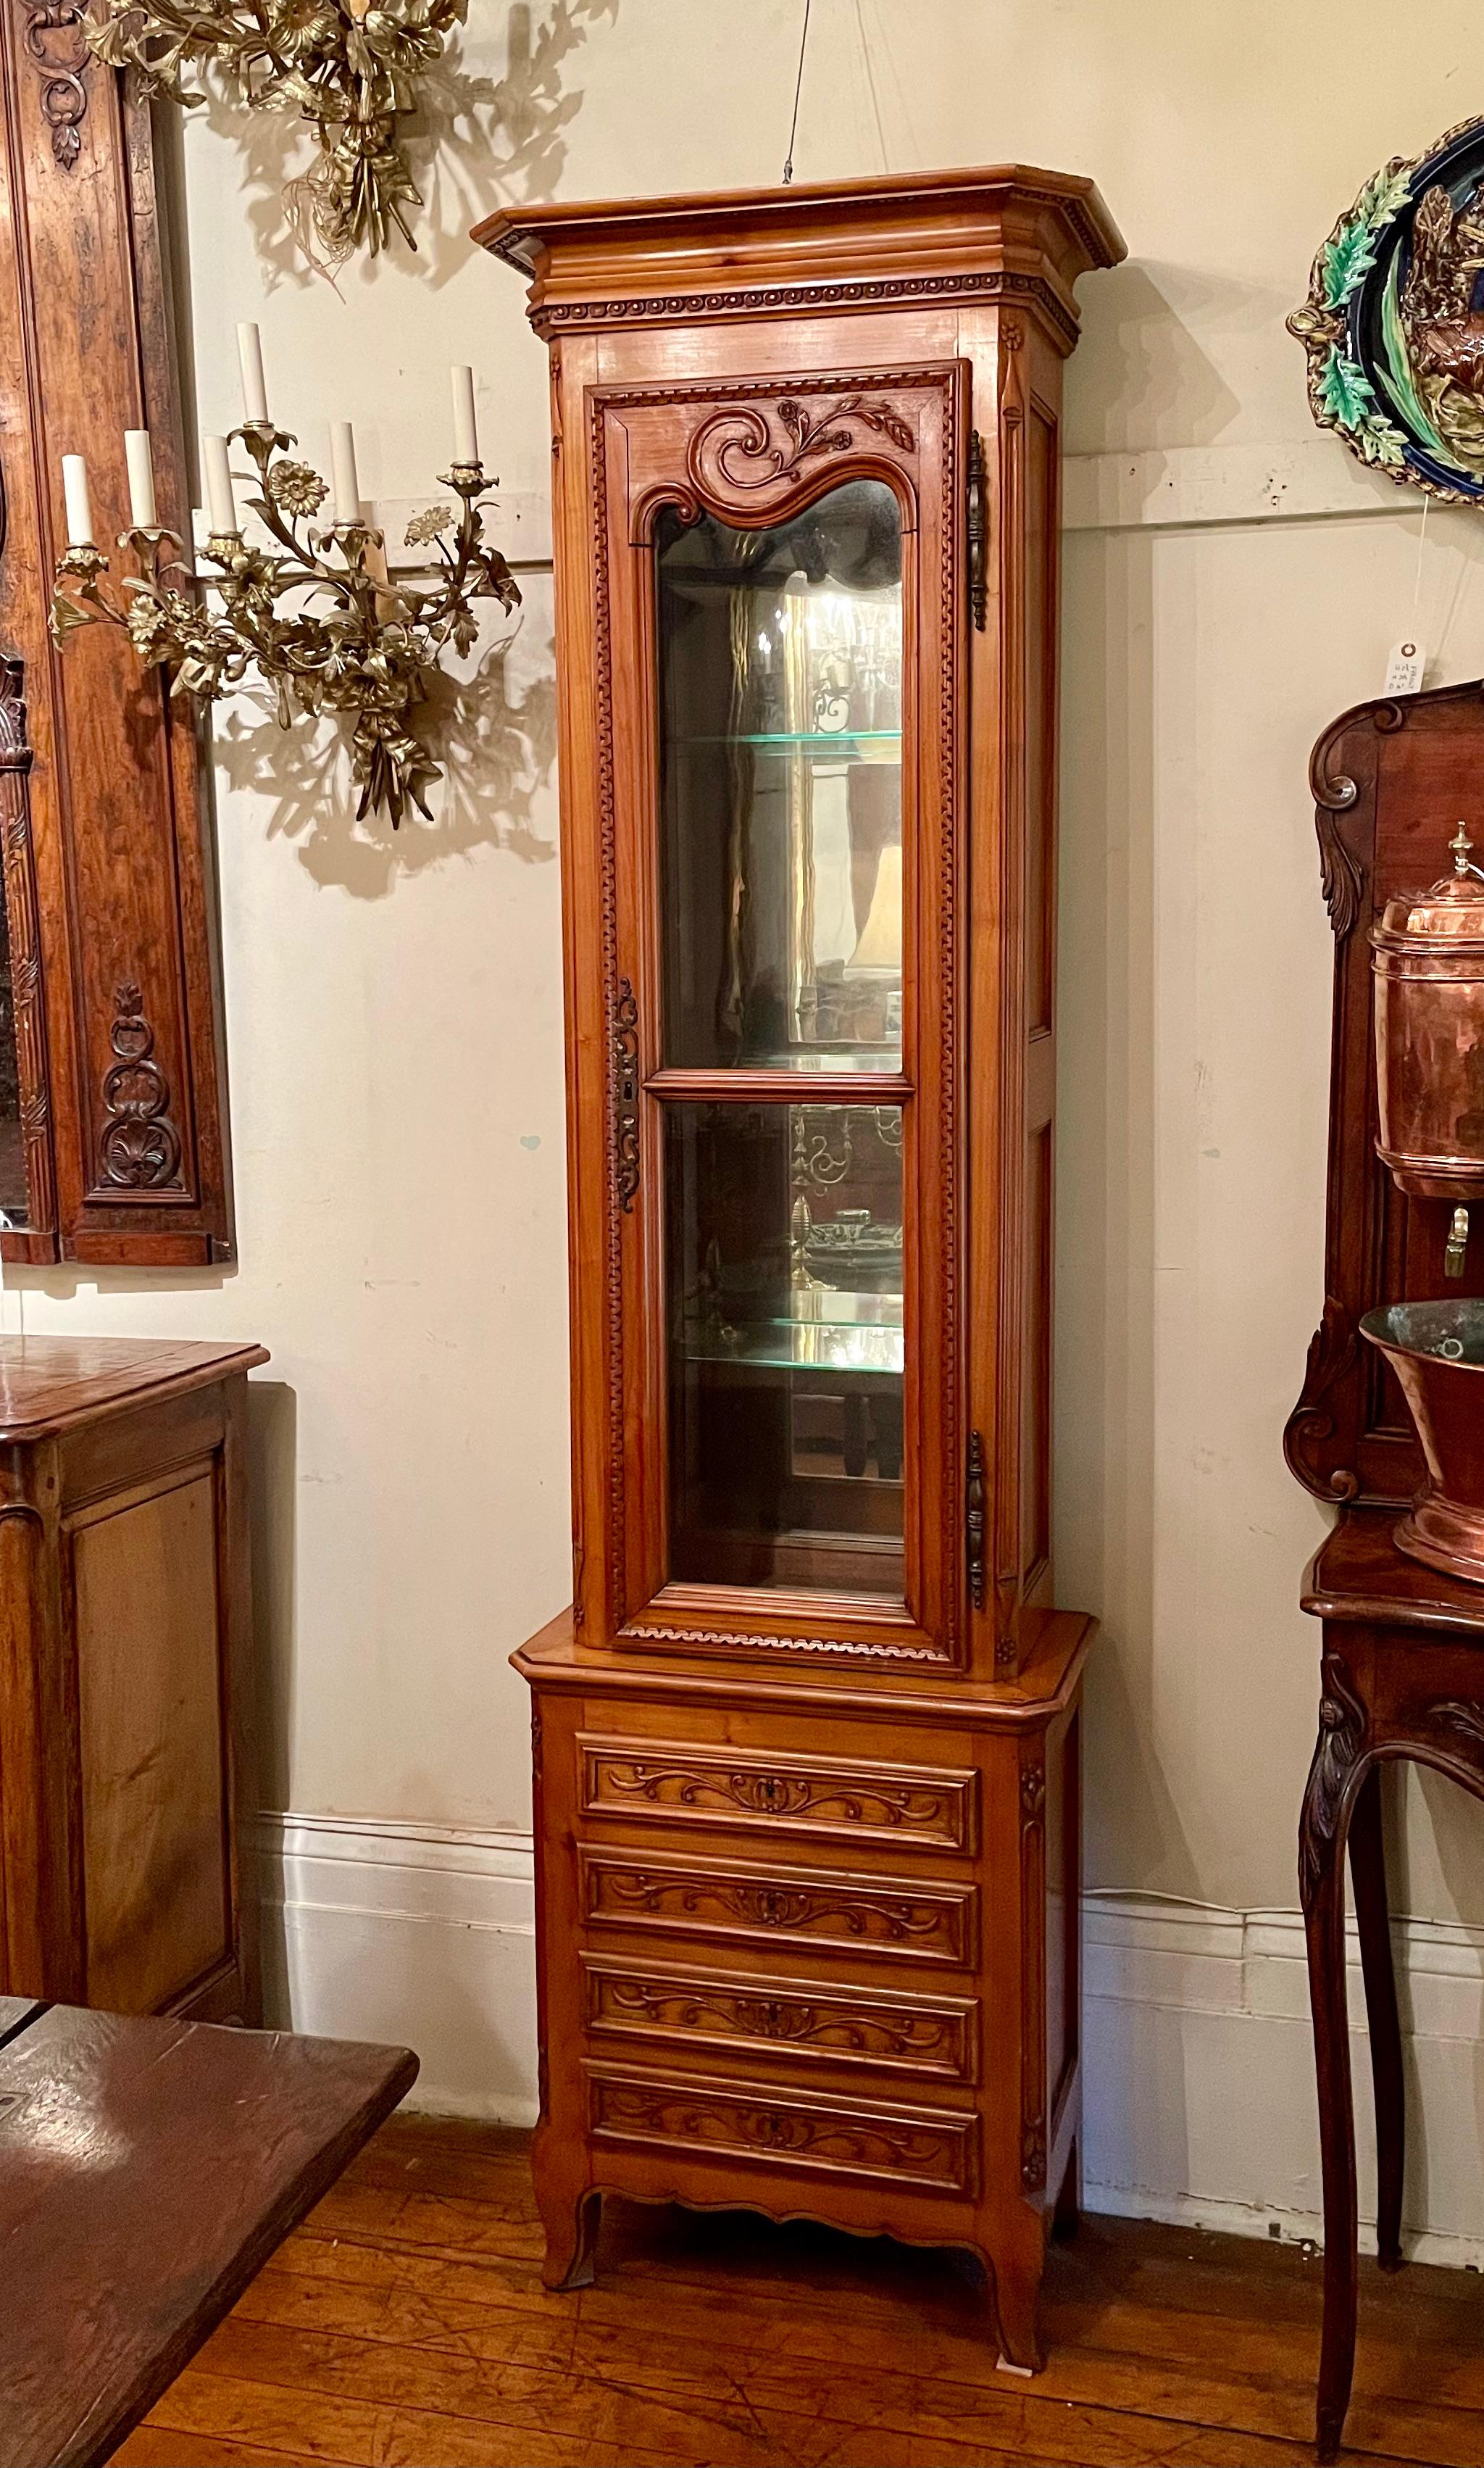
(1403, 1646)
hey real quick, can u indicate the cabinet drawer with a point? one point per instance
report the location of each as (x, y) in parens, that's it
(884, 1916)
(875, 2029)
(853, 1799)
(936, 2148)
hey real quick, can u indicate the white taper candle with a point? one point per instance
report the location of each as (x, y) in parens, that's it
(255, 385)
(347, 480)
(466, 427)
(220, 503)
(80, 510)
(141, 480)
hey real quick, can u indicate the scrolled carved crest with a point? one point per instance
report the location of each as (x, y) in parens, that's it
(752, 447)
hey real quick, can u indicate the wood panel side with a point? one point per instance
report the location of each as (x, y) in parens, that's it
(143, 1571)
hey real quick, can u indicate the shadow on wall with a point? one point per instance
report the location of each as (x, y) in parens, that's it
(1137, 363)
(493, 732)
(273, 1463)
(472, 144)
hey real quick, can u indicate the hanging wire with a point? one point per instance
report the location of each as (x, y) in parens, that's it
(886, 50)
(798, 89)
(1421, 540)
(869, 67)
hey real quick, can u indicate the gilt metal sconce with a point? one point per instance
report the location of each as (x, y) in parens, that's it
(322, 623)
(349, 67)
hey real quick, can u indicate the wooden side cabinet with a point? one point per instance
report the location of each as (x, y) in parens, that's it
(807, 1829)
(125, 1680)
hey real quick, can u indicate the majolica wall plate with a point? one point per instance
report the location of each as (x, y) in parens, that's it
(1394, 323)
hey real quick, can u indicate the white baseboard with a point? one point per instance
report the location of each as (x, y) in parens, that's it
(422, 1935)
(1199, 2095)
(1198, 2084)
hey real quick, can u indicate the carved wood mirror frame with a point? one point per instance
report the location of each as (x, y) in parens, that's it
(109, 892)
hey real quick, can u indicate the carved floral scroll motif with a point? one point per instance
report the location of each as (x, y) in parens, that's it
(59, 53)
(140, 1146)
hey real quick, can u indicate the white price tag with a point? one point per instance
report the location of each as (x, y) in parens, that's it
(1404, 666)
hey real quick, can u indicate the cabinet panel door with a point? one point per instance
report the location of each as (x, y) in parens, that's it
(779, 624)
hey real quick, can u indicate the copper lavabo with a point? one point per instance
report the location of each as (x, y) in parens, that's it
(1428, 966)
(1430, 1034)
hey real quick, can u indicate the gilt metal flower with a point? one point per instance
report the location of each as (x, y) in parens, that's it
(350, 68)
(423, 529)
(296, 488)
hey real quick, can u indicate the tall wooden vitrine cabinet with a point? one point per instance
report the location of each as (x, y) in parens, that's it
(806, 1743)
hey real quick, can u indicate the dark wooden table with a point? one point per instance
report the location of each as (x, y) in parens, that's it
(148, 2169)
(1403, 1678)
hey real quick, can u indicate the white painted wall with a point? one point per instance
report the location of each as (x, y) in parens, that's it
(393, 1005)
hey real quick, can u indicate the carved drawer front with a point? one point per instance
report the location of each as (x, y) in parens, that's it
(937, 2148)
(874, 2028)
(884, 1916)
(853, 1799)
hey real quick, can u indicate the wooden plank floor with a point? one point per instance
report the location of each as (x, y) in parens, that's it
(405, 2326)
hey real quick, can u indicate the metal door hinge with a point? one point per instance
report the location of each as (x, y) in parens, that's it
(973, 1519)
(624, 1063)
(978, 530)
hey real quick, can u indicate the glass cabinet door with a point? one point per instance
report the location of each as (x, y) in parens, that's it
(781, 898)
(785, 1314)
(781, 787)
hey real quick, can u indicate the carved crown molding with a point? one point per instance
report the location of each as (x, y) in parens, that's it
(553, 317)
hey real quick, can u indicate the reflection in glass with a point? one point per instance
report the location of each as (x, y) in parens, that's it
(781, 786)
(785, 1342)
(14, 1191)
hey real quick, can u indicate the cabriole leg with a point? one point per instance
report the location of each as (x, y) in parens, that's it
(571, 2223)
(1014, 2279)
(1373, 1921)
(1321, 1872)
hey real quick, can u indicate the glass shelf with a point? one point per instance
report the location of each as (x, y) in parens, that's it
(882, 1055)
(857, 1334)
(838, 739)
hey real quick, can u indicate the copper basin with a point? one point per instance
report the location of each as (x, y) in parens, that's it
(1437, 1353)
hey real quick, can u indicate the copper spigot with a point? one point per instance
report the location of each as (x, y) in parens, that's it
(1457, 1244)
